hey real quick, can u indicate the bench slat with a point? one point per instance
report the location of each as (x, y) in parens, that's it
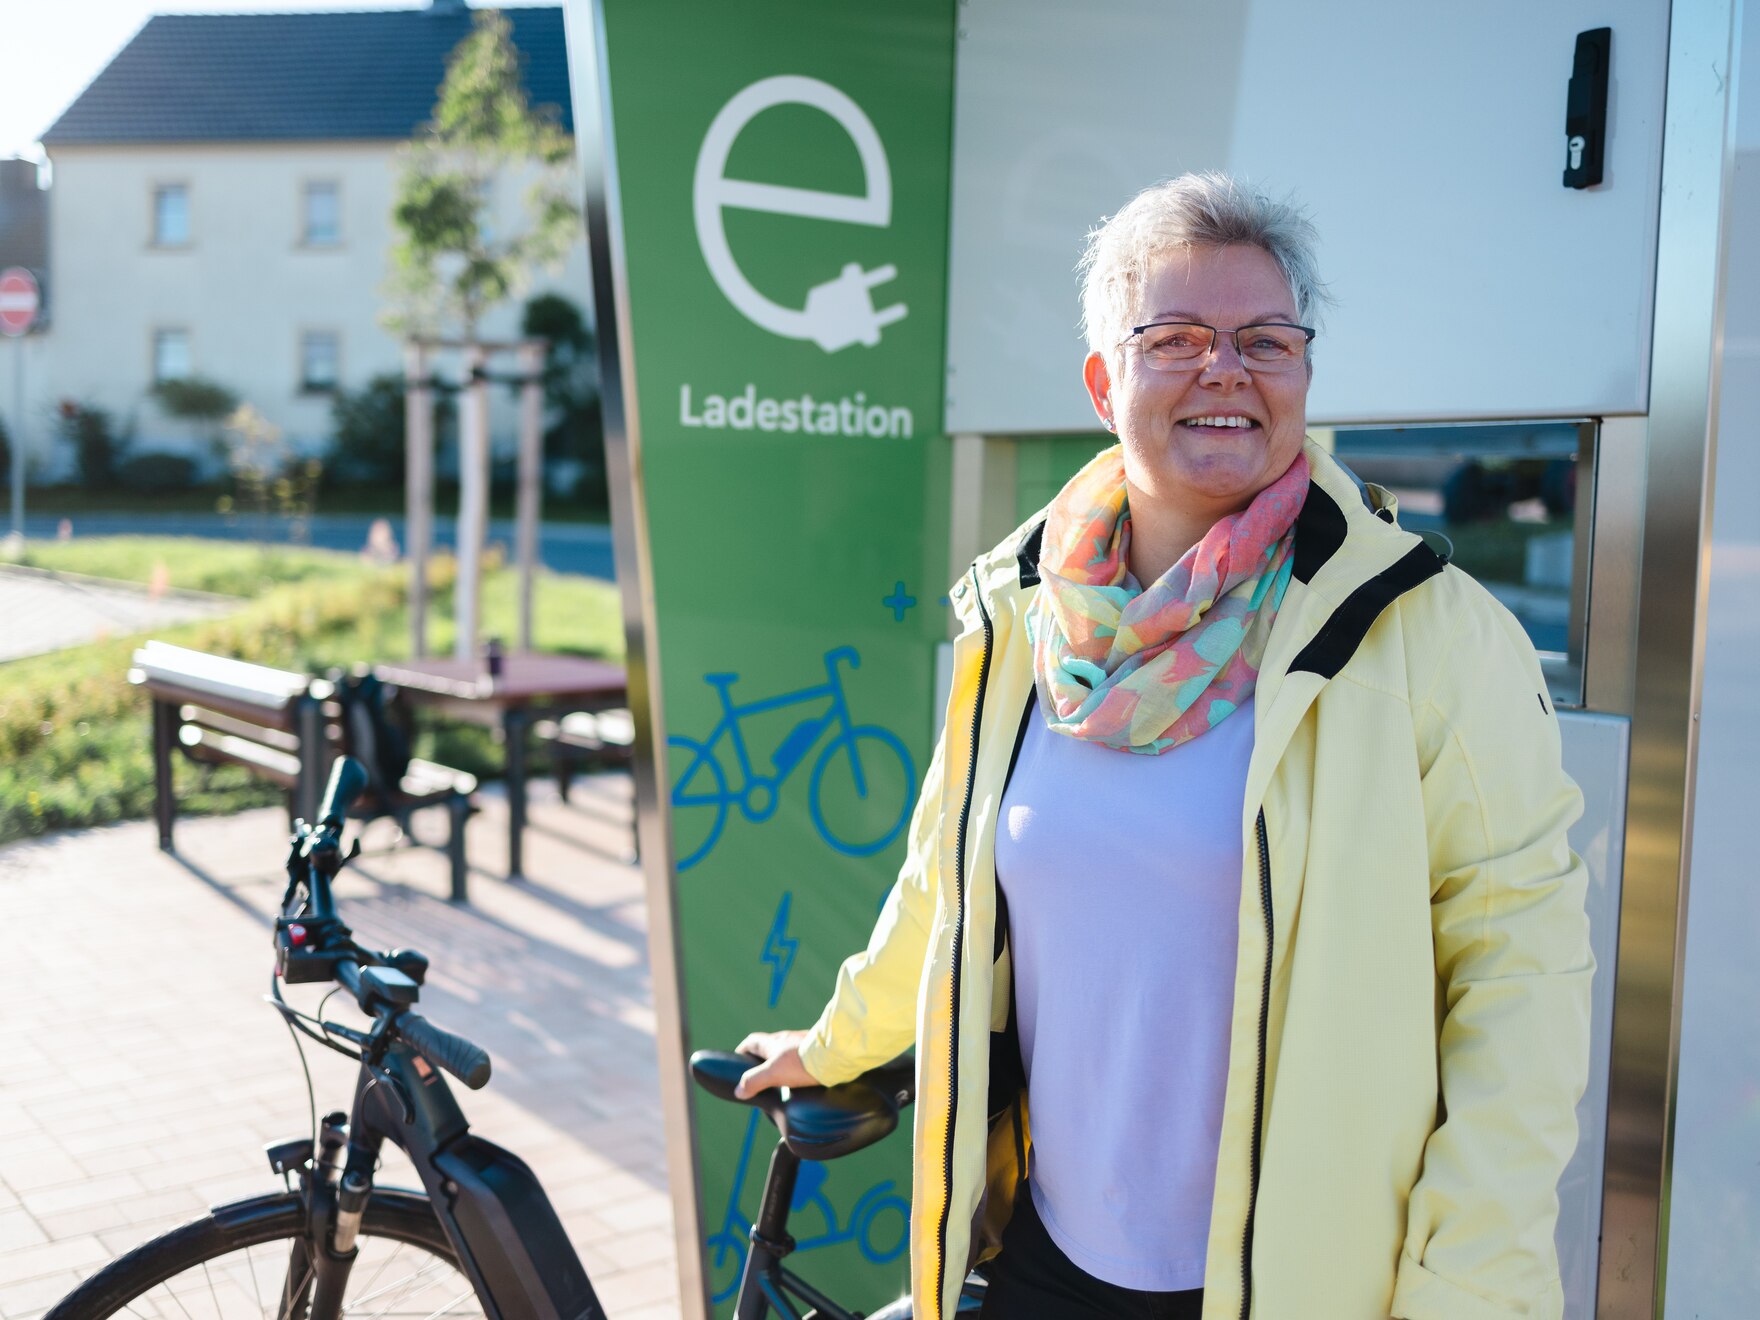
(237, 681)
(226, 749)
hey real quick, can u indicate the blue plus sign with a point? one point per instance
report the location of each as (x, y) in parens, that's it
(898, 602)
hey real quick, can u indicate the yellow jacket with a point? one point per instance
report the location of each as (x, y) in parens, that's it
(1411, 1018)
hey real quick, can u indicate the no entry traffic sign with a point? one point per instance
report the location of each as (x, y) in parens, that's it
(20, 299)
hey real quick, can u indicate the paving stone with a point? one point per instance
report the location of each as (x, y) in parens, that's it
(151, 1072)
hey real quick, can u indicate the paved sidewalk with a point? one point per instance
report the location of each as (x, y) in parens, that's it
(140, 1073)
(46, 611)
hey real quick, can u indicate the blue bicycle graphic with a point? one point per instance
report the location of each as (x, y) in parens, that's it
(879, 1223)
(861, 788)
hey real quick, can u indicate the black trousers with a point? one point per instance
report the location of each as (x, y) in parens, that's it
(1033, 1280)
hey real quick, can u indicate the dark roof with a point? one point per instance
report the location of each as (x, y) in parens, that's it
(295, 77)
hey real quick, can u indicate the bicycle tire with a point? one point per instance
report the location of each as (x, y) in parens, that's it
(403, 1219)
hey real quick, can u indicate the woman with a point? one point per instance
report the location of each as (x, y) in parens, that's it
(1246, 839)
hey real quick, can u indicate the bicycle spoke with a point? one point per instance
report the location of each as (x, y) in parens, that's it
(445, 1310)
(394, 1279)
(256, 1288)
(399, 1288)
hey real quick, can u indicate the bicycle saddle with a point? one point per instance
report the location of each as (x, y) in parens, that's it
(817, 1122)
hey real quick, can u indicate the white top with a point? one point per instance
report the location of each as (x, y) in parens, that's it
(1123, 880)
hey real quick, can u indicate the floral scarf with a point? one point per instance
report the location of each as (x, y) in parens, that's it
(1146, 670)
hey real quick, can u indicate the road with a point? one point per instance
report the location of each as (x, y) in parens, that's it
(582, 548)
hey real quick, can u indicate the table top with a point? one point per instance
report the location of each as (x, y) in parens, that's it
(525, 679)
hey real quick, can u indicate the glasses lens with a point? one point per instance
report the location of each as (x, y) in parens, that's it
(1271, 347)
(1175, 345)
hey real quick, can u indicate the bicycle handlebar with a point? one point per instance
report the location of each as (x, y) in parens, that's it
(464, 1059)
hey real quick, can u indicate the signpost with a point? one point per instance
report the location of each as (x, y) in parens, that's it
(777, 223)
(20, 301)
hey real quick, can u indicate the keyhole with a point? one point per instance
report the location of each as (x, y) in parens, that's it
(1576, 143)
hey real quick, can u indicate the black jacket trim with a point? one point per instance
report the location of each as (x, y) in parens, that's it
(1029, 554)
(1337, 641)
(1320, 531)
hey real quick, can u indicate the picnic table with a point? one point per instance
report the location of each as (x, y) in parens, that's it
(529, 687)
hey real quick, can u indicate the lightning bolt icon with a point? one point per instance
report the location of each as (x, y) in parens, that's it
(779, 949)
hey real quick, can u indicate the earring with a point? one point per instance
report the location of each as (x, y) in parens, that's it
(1109, 424)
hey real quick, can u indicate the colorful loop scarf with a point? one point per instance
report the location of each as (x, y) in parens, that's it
(1143, 671)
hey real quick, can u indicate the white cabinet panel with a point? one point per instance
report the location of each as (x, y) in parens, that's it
(1428, 143)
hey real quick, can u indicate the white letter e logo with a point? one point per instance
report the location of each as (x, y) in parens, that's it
(839, 312)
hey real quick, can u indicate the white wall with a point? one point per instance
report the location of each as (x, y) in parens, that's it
(244, 287)
(1714, 1225)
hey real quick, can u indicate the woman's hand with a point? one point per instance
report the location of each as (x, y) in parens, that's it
(781, 1052)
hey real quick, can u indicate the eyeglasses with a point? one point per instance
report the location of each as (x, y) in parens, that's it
(1185, 345)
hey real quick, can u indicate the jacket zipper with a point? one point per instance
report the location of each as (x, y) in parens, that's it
(959, 926)
(1259, 1087)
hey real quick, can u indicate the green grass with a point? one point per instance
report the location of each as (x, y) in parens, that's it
(75, 745)
(194, 563)
(363, 500)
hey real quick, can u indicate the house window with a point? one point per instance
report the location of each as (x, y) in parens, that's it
(322, 225)
(320, 354)
(171, 215)
(170, 355)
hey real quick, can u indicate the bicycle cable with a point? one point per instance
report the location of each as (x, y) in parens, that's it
(311, 1093)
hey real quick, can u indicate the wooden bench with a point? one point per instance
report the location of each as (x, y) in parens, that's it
(587, 740)
(286, 728)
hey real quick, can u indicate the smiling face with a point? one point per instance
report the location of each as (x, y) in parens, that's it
(1173, 460)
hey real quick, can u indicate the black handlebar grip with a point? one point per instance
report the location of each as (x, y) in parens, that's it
(348, 777)
(465, 1060)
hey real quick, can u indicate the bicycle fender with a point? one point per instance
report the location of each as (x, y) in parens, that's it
(515, 1241)
(279, 1204)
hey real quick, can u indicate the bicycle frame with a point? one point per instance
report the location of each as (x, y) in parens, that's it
(506, 1236)
(509, 1241)
(765, 1285)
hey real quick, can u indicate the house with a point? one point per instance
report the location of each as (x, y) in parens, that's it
(221, 207)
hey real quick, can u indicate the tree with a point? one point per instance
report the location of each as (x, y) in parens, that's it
(573, 430)
(367, 442)
(450, 265)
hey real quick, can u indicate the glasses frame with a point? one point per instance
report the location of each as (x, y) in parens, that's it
(1197, 363)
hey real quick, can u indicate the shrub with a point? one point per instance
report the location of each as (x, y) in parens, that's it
(366, 433)
(195, 399)
(96, 448)
(156, 473)
(367, 444)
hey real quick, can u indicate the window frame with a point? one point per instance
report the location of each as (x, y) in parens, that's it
(154, 336)
(304, 385)
(155, 233)
(306, 189)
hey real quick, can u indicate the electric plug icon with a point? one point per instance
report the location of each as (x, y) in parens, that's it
(840, 312)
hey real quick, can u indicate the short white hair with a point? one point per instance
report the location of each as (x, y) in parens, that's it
(1195, 210)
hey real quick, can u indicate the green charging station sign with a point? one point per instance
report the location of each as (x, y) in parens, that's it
(782, 184)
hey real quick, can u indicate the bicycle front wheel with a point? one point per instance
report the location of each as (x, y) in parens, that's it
(251, 1260)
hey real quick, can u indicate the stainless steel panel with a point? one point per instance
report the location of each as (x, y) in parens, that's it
(1684, 367)
(1595, 755)
(623, 461)
(1713, 1261)
(1610, 650)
